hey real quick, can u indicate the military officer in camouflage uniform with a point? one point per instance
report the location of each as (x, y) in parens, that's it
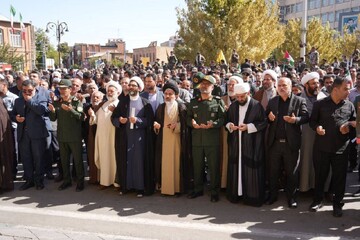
(205, 115)
(68, 110)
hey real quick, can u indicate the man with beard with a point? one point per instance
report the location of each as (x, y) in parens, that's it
(68, 110)
(227, 99)
(307, 176)
(31, 113)
(205, 115)
(172, 162)
(328, 82)
(246, 122)
(286, 113)
(268, 88)
(105, 135)
(152, 93)
(95, 103)
(133, 119)
(331, 118)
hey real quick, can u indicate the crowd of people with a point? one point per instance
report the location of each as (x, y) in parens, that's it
(248, 128)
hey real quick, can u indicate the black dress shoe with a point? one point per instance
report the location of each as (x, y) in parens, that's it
(337, 212)
(357, 193)
(59, 178)
(50, 176)
(271, 201)
(39, 186)
(315, 206)
(292, 203)
(195, 195)
(64, 186)
(214, 198)
(26, 185)
(79, 186)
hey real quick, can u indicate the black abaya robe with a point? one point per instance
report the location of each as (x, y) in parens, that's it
(252, 155)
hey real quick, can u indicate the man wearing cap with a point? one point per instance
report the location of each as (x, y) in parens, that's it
(172, 162)
(33, 124)
(104, 158)
(133, 118)
(246, 73)
(286, 113)
(246, 122)
(68, 111)
(269, 79)
(311, 90)
(205, 115)
(234, 59)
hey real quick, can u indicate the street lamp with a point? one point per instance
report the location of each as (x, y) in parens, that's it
(60, 29)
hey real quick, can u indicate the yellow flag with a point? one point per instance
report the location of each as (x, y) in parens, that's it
(220, 57)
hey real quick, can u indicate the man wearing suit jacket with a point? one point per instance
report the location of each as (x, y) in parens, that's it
(286, 112)
(31, 113)
(152, 93)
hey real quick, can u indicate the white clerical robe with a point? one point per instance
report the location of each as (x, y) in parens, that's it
(251, 129)
(104, 158)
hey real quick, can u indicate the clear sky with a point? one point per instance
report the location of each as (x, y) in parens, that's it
(137, 22)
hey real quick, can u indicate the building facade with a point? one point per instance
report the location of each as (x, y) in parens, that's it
(337, 12)
(83, 52)
(22, 43)
(151, 53)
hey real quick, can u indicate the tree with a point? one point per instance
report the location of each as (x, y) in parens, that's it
(349, 42)
(322, 37)
(43, 45)
(9, 55)
(208, 26)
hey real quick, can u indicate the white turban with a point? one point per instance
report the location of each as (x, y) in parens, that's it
(114, 84)
(272, 73)
(236, 78)
(241, 88)
(139, 82)
(309, 76)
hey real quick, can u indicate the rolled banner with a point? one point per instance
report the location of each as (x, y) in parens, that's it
(132, 114)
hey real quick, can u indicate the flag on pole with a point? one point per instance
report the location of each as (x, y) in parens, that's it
(220, 56)
(288, 59)
(12, 15)
(22, 26)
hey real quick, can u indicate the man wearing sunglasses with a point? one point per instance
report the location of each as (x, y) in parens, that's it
(32, 115)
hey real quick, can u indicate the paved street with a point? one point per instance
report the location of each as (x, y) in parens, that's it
(96, 214)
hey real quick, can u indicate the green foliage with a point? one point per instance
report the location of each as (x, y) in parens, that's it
(208, 26)
(322, 37)
(9, 55)
(117, 63)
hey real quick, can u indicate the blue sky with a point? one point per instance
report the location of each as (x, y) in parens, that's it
(137, 22)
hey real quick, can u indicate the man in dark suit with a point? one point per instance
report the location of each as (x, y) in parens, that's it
(286, 112)
(152, 92)
(31, 113)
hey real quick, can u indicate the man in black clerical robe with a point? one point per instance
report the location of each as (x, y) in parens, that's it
(186, 174)
(246, 122)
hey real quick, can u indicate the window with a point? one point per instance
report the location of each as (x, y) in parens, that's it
(355, 9)
(15, 39)
(1, 37)
(331, 17)
(299, 7)
(337, 14)
(324, 18)
(331, 2)
(339, 1)
(325, 3)
(314, 4)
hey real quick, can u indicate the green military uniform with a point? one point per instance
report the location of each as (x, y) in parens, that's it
(69, 136)
(206, 142)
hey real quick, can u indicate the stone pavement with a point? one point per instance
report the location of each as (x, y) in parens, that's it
(104, 214)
